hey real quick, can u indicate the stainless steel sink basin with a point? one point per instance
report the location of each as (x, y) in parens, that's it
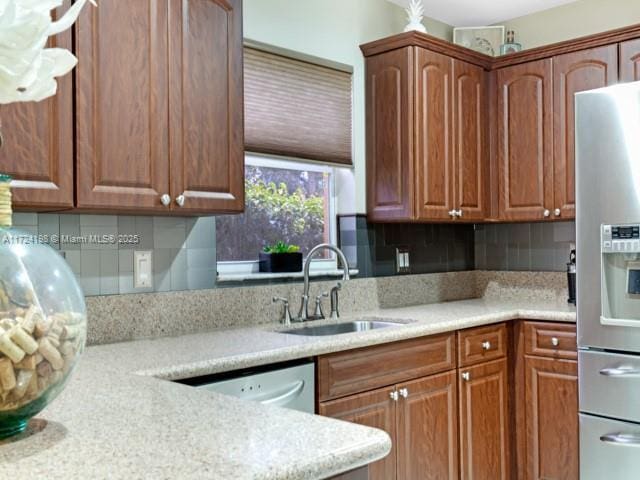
(339, 328)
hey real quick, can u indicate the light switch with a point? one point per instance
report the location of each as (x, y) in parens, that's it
(142, 269)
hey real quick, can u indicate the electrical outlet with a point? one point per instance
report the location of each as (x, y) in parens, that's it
(142, 269)
(402, 260)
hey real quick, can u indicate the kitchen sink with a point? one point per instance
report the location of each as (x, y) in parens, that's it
(340, 328)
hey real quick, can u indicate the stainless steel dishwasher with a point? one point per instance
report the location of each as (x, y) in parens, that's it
(289, 387)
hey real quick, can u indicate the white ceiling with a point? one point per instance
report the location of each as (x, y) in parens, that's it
(469, 13)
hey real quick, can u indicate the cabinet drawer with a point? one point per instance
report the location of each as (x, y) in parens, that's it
(555, 340)
(482, 344)
(355, 371)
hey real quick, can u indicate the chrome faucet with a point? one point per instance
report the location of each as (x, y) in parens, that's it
(303, 314)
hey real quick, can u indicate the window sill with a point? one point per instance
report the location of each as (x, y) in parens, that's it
(241, 277)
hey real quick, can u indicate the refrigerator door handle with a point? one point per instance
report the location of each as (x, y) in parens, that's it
(620, 372)
(624, 439)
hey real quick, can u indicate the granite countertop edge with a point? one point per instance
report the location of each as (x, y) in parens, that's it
(411, 328)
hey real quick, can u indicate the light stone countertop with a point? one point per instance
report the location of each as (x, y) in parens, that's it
(115, 420)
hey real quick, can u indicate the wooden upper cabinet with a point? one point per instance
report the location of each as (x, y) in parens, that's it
(427, 436)
(484, 422)
(469, 144)
(630, 61)
(573, 73)
(525, 141)
(389, 135)
(433, 135)
(38, 145)
(425, 137)
(373, 409)
(551, 410)
(122, 116)
(206, 104)
(160, 107)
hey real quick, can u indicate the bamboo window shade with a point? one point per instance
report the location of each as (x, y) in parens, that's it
(296, 109)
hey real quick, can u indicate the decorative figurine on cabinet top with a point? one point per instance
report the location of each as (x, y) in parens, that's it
(415, 14)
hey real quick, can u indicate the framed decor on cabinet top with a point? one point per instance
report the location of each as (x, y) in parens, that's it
(485, 40)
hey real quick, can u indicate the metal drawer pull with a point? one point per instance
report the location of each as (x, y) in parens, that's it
(629, 439)
(394, 396)
(466, 376)
(180, 200)
(555, 342)
(404, 393)
(620, 372)
(165, 199)
(486, 345)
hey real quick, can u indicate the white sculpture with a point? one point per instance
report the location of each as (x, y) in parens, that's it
(415, 13)
(27, 68)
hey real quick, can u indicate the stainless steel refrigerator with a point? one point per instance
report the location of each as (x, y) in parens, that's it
(608, 280)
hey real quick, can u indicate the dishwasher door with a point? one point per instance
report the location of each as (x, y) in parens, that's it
(292, 387)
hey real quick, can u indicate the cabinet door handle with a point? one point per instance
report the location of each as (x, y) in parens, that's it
(165, 199)
(557, 212)
(394, 396)
(404, 392)
(459, 213)
(486, 345)
(180, 200)
(555, 342)
(546, 213)
(453, 213)
(466, 376)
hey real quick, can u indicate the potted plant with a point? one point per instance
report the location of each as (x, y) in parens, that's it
(280, 258)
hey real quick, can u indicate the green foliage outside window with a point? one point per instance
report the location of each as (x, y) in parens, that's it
(280, 206)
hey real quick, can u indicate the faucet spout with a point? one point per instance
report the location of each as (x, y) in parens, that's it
(304, 307)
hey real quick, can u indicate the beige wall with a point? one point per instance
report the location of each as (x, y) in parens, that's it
(573, 20)
(332, 30)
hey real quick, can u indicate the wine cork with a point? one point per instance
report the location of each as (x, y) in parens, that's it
(50, 353)
(10, 349)
(24, 340)
(7, 375)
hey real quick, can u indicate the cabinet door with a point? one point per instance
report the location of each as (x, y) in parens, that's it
(38, 144)
(469, 145)
(390, 170)
(433, 135)
(630, 61)
(551, 411)
(484, 422)
(525, 142)
(572, 73)
(122, 112)
(428, 429)
(373, 409)
(206, 104)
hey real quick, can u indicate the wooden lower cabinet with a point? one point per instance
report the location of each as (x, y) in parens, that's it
(422, 424)
(427, 429)
(373, 409)
(484, 421)
(551, 417)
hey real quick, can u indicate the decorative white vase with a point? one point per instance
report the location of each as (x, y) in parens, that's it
(415, 14)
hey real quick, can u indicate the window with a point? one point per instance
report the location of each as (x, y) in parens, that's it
(285, 200)
(298, 124)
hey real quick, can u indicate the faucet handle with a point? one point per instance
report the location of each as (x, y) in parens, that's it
(319, 314)
(286, 316)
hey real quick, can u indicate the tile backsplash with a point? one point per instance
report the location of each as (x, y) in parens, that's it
(98, 251)
(432, 248)
(184, 249)
(524, 246)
